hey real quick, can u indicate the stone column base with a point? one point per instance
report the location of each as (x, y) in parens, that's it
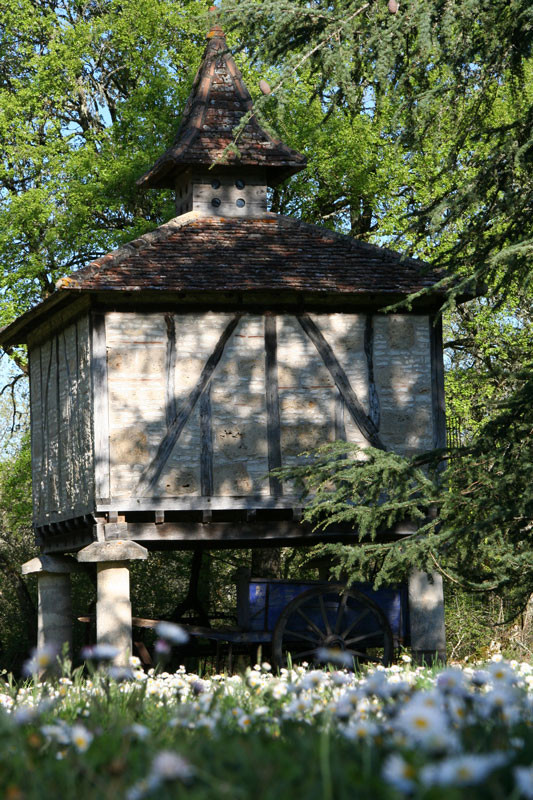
(54, 610)
(426, 618)
(113, 607)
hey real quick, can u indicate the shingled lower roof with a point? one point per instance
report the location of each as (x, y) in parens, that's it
(271, 253)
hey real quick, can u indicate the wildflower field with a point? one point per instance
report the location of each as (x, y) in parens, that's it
(319, 734)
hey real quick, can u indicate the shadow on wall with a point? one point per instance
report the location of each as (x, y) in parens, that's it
(224, 446)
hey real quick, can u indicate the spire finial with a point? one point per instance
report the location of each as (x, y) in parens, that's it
(215, 31)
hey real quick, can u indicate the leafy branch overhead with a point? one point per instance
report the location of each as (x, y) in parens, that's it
(88, 92)
(448, 88)
(368, 489)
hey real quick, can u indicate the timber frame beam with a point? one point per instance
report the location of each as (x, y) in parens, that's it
(187, 534)
(184, 535)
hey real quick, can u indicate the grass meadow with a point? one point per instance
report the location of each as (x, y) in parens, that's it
(318, 734)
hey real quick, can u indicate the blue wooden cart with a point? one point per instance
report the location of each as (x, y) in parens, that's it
(305, 617)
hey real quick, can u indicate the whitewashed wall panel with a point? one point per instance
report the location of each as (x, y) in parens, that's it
(154, 363)
(238, 410)
(306, 392)
(157, 362)
(136, 346)
(345, 333)
(402, 362)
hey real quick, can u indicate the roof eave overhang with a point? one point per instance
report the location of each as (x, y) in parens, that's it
(164, 175)
(275, 299)
(290, 299)
(17, 332)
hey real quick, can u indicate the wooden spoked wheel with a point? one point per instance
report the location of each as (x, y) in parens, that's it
(335, 618)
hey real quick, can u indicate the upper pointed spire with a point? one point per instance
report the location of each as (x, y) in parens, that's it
(216, 105)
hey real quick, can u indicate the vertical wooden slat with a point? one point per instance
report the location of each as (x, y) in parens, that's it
(45, 392)
(206, 439)
(68, 427)
(60, 470)
(85, 409)
(73, 460)
(100, 406)
(340, 428)
(373, 397)
(272, 403)
(171, 410)
(53, 431)
(437, 382)
(36, 421)
(77, 412)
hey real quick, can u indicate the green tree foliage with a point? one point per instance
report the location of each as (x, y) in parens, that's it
(456, 75)
(89, 94)
(486, 346)
(17, 602)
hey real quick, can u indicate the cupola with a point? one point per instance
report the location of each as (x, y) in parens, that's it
(222, 159)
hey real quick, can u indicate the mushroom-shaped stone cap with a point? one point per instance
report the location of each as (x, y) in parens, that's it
(52, 564)
(118, 550)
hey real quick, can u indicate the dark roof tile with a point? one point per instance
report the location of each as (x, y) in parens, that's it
(209, 254)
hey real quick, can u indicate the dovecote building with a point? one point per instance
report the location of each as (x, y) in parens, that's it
(170, 376)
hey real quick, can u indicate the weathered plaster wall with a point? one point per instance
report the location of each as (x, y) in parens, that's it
(402, 365)
(238, 409)
(61, 423)
(155, 362)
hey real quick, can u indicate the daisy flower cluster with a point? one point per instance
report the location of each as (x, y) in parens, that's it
(424, 731)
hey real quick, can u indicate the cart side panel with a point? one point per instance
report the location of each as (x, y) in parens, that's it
(268, 598)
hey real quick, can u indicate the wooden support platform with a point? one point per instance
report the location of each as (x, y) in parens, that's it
(241, 525)
(199, 503)
(183, 535)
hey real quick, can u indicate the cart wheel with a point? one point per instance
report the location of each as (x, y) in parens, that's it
(335, 618)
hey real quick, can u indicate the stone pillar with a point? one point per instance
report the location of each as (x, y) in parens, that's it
(426, 617)
(54, 610)
(113, 607)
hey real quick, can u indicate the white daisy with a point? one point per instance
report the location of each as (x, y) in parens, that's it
(170, 766)
(81, 738)
(524, 781)
(172, 633)
(399, 773)
(462, 770)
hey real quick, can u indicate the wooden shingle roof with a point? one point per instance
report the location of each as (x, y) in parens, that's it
(192, 253)
(216, 106)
